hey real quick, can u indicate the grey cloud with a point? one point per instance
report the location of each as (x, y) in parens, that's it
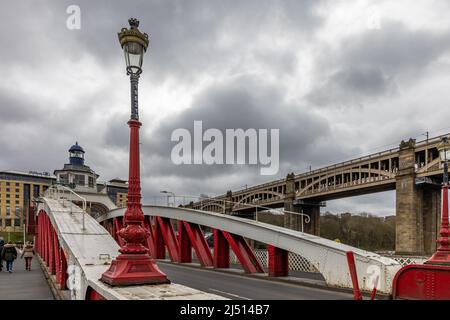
(243, 103)
(352, 87)
(184, 35)
(375, 64)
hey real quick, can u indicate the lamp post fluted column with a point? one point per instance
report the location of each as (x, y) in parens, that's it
(134, 266)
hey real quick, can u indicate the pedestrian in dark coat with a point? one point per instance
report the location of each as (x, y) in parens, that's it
(9, 254)
(2, 244)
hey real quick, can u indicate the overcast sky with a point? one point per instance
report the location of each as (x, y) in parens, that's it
(340, 79)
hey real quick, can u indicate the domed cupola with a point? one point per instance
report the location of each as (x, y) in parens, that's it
(76, 155)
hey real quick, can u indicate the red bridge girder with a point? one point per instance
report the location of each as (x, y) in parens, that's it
(244, 253)
(168, 234)
(190, 236)
(197, 239)
(150, 240)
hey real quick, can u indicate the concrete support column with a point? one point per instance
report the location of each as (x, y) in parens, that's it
(431, 218)
(291, 221)
(409, 204)
(229, 203)
(313, 210)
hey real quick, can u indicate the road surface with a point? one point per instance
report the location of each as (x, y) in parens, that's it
(234, 286)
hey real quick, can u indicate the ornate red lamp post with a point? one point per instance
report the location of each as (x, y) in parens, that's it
(442, 255)
(134, 266)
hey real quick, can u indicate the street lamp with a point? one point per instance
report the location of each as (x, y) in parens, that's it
(442, 255)
(169, 193)
(133, 266)
(256, 206)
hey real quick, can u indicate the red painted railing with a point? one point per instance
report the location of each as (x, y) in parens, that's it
(50, 250)
(53, 255)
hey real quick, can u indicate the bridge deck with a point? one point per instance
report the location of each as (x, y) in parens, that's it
(24, 285)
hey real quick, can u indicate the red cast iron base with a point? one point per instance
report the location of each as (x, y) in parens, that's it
(133, 269)
(440, 258)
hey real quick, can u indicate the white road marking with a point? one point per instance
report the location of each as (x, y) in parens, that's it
(230, 294)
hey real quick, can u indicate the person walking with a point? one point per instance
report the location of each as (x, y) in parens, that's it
(28, 253)
(2, 244)
(9, 254)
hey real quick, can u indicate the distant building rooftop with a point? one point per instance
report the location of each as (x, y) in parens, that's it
(30, 174)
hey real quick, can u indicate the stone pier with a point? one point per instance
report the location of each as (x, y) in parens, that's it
(417, 207)
(294, 221)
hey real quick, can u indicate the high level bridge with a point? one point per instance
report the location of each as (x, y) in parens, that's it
(413, 170)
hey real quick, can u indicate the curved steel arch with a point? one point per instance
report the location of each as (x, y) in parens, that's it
(212, 205)
(328, 257)
(257, 193)
(318, 182)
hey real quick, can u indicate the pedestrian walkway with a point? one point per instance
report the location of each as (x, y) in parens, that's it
(24, 285)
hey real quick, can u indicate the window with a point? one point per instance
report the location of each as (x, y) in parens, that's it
(79, 180)
(7, 195)
(8, 211)
(64, 178)
(16, 222)
(91, 182)
(1, 222)
(7, 222)
(7, 183)
(17, 190)
(17, 196)
(17, 184)
(17, 210)
(36, 191)
(7, 201)
(17, 201)
(7, 190)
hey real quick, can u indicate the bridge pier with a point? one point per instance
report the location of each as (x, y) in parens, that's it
(294, 221)
(417, 207)
(228, 203)
(291, 221)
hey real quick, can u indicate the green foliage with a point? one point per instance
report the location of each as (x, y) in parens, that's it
(270, 218)
(363, 231)
(15, 237)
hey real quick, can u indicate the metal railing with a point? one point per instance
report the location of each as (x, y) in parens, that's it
(58, 193)
(305, 217)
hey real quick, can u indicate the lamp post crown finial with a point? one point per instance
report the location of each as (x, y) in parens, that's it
(134, 23)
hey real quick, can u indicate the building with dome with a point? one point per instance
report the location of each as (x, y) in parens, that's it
(76, 174)
(19, 190)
